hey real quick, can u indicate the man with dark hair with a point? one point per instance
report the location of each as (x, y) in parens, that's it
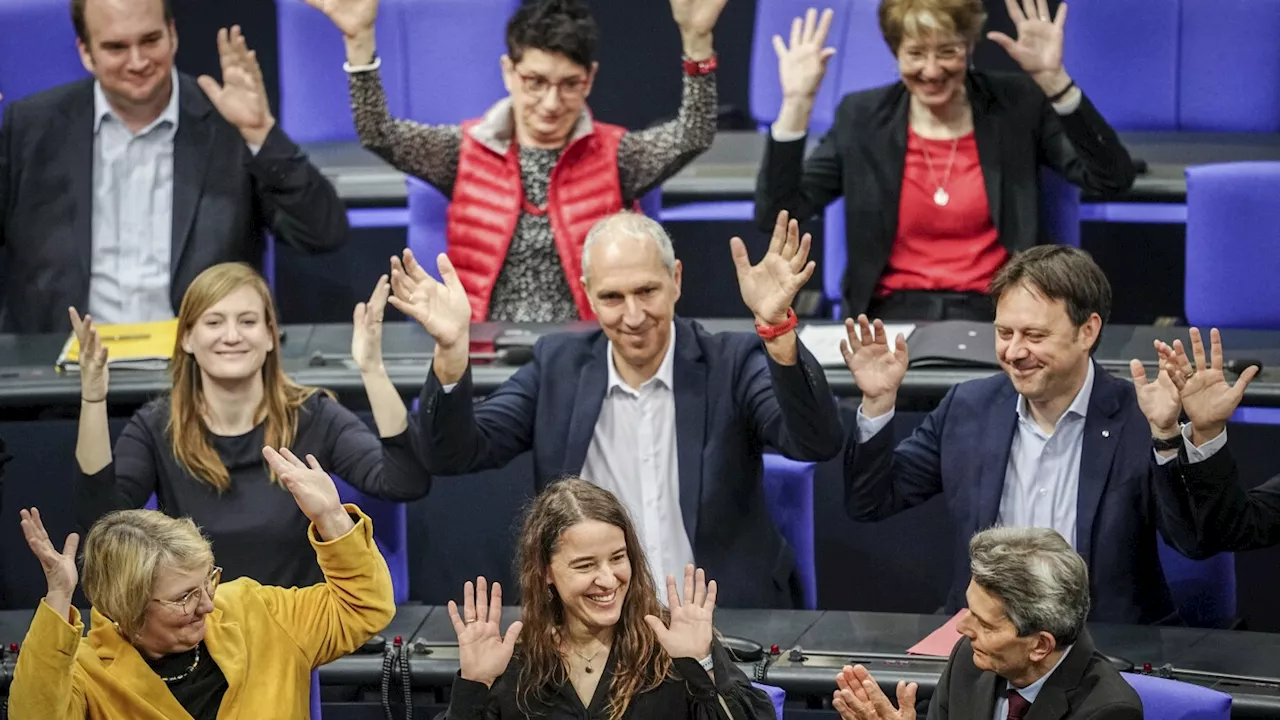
(1054, 442)
(116, 192)
(528, 179)
(1025, 644)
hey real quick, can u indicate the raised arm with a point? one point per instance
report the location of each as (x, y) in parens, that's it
(93, 437)
(45, 682)
(648, 157)
(356, 599)
(429, 152)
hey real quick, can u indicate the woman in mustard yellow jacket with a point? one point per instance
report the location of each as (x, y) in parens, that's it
(169, 643)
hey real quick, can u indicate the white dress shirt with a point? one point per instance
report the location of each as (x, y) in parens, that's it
(1030, 692)
(132, 214)
(633, 455)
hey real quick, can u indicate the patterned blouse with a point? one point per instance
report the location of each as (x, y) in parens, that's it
(532, 286)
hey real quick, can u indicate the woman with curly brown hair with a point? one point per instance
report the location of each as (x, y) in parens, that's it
(594, 636)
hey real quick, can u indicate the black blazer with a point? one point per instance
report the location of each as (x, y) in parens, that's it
(732, 401)
(224, 198)
(961, 451)
(1227, 517)
(862, 159)
(1084, 687)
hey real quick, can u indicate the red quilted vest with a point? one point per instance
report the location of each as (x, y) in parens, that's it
(488, 197)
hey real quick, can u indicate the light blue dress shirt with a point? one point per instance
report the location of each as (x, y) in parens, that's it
(1030, 692)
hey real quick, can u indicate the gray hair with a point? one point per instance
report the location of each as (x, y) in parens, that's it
(1042, 581)
(625, 222)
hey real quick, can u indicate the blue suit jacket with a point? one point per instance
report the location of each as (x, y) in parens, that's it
(732, 401)
(962, 451)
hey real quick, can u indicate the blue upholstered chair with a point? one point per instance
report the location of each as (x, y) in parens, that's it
(788, 488)
(777, 696)
(1204, 591)
(390, 532)
(1172, 700)
(315, 695)
(1228, 67)
(39, 48)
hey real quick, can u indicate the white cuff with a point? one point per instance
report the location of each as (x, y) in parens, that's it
(1070, 103)
(1196, 454)
(449, 388)
(786, 135)
(708, 663)
(253, 149)
(349, 68)
(870, 427)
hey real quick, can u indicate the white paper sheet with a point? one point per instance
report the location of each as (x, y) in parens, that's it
(824, 340)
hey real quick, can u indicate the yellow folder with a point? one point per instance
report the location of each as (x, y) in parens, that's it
(134, 346)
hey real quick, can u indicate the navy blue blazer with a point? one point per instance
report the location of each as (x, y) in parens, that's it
(962, 451)
(732, 401)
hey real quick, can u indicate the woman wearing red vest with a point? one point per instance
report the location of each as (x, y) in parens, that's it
(529, 178)
(940, 170)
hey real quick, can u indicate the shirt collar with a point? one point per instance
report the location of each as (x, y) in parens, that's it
(102, 108)
(1079, 406)
(664, 375)
(1032, 691)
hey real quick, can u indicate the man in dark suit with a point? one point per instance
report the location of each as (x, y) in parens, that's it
(116, 191)
(1025, 651)
(1056, 441)
(669, 417)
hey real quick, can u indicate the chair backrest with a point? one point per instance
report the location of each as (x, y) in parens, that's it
(1228, 66)
(315, 695)
(428, 224)
(777, 696)
(453, 51)
(315, 103)
(1124, 54)
(773, 17)
(1232, 236)
(788, 488)
(390, 532)
(651, 204)
(863, 60)
(1174, 700)
(1204, 591)
(42, 52)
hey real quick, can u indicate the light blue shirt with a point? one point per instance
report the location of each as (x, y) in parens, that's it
(132, 214)
(1042, 479)
(1030, 692)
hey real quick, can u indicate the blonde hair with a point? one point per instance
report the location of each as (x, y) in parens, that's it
(124, 553)
(900, 19)
(281, 398)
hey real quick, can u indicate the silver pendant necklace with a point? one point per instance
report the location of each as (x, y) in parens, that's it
(586, 659)
(940, 196)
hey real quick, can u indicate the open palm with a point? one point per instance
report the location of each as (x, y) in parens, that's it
(241, 99)
(697, 17)
(688, 632)
(483, 652)
(442, 308)
(769, 286)
(312, 488)
(93, 357)
(877, 368)
(1207, 398)
(1158, 399)
(350, 16)
(59, 567)
(1038, 48)
(802, 63)
(366, 327)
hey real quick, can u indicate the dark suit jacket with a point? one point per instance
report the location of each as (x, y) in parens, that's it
(731, 400)
(1227, 517)
(224, 198)
(1084, 687)
(961, 450)
(862, 159)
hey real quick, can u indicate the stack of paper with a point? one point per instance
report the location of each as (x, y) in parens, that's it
(138, 346)
(824, 340)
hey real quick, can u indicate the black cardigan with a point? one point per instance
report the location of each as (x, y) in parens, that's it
(862, 158)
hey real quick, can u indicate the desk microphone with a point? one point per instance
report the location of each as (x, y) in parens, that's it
(1239, 365)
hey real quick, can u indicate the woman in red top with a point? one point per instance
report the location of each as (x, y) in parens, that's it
(940, 170)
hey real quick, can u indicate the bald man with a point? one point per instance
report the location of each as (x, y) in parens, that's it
(669, 417)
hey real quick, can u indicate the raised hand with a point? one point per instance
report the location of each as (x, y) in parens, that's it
(877, 368)
(1038, 49)
(859, 697)
(241, 99)
(366, 328)
(93, 358)
(689, 633)
(59, 567)
(803, 62)
(483, 653)
(442, 308)
(696, 17)
(1207, 397)
(351, 16)
(312, 488)
(1159, 399)
(769, 286)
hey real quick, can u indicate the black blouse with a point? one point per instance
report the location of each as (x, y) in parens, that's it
(689, 694)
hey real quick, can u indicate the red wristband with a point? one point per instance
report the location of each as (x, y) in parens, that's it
(769, 332)
(700, 67)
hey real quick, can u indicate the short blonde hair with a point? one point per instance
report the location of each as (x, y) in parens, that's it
(125, 551)
(901, 19)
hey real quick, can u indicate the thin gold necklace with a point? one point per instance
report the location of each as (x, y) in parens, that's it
(586, 659)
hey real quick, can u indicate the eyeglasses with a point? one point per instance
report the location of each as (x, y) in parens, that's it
(569, 88)
(189, 602)
(945, 53)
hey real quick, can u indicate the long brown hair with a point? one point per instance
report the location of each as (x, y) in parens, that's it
(640, 662)
(281, 397)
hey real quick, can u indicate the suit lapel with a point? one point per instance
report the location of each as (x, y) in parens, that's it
(690, 377)
(1052, 703)
(79, 139)
(192, 146)
(997, 441)
(1102, 428)
(227, 647)
(593, 380)
(985, 693)
(126, 666)
(986, 133)
(894, 142)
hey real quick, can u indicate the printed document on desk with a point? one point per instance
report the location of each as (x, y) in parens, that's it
(134, 346)
(823, 340)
